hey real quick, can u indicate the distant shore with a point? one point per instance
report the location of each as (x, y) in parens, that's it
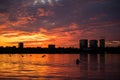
(59, 50)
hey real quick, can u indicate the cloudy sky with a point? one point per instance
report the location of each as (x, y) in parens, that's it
(38, 23)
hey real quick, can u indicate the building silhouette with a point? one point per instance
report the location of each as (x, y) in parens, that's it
(93, 44)
(51, 46)
(20, 45)
(102, 43)
(83, 44)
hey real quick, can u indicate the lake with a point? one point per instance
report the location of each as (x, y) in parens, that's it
(59, 67)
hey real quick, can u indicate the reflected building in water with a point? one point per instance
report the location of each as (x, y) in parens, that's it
(93, 62)
(20, 62)
(102, 62)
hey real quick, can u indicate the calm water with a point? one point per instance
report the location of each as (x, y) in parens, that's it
(59, 67)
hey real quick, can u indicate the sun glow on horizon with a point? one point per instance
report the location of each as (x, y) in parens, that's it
(35, 39)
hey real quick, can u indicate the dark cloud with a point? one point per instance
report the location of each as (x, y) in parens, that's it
(4, 5)
(87, 14)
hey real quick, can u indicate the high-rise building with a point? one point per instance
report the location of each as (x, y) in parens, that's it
(83, 44)
(20, 45)
(102, 43)
(51, 46)
(93, 44)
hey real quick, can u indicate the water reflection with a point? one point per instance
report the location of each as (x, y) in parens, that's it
(94, 61)
(59, 66)
(102, 62)
(93, 64)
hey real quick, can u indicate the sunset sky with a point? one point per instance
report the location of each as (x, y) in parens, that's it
(38, 23)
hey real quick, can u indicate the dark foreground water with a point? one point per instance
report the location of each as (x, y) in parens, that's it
(59, 67)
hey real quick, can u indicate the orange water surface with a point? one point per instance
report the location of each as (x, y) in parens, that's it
(59, 67)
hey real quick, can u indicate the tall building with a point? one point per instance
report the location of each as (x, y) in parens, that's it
(51, 46)
(102, 43)
(93, 44)
(83, 44)
(20, 45)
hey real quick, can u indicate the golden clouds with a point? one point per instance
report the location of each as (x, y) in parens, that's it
(57, 36)
(13, 37)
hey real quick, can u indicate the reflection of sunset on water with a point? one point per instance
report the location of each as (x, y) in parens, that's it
(57, 66)
(82, 34)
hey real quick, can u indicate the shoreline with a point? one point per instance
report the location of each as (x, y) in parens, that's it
(59, 50)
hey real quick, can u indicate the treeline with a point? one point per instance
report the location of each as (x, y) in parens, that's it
(58, 50)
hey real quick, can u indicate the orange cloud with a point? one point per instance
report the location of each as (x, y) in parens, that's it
(113, 43)
(61, 36)
(42, 38)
